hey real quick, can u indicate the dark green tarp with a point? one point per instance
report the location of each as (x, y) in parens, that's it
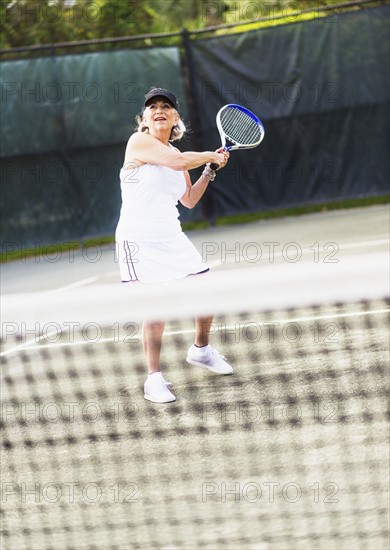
(66, 121)
(321, 88)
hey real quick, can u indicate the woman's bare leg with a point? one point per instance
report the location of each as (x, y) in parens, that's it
(203, 326)
(152, 333)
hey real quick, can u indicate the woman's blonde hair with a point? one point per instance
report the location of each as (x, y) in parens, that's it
(178, 130)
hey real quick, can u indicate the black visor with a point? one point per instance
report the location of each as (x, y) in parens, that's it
(161, 92)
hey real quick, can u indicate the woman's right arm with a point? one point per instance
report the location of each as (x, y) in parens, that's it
(149, 150)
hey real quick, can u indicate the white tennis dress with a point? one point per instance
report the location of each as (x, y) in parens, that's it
(151, 246)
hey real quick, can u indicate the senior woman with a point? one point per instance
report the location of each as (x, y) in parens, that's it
(151, 245)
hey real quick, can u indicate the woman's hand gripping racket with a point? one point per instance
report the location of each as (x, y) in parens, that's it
(239, 126)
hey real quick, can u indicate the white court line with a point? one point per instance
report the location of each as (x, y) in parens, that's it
(192, 330)
(37, 295)
(346, 246)
(81, 282)
(77, 284)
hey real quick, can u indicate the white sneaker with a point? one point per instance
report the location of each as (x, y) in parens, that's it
(156, 389)
(209, 358)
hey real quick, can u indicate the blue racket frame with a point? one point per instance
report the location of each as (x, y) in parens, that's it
(236, 145)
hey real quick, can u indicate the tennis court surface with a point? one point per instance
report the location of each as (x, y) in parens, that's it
(291, 451)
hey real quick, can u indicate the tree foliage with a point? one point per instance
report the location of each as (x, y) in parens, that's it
(32, 22)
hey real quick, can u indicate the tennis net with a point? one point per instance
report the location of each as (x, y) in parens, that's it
(291, 451)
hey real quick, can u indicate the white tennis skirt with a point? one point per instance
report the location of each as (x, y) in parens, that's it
(155, 262)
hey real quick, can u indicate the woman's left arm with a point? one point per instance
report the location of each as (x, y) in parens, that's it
(195, 192)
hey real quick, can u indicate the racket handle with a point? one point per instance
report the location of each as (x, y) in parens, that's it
(215, 166)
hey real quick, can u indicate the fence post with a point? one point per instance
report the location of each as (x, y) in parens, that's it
(194, 107)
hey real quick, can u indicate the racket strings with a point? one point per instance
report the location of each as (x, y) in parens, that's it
(240, 128)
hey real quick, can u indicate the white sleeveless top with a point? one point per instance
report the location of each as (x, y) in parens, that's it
(151, 246)
(150, 194)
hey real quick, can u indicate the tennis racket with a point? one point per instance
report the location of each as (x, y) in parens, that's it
(239, 126)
